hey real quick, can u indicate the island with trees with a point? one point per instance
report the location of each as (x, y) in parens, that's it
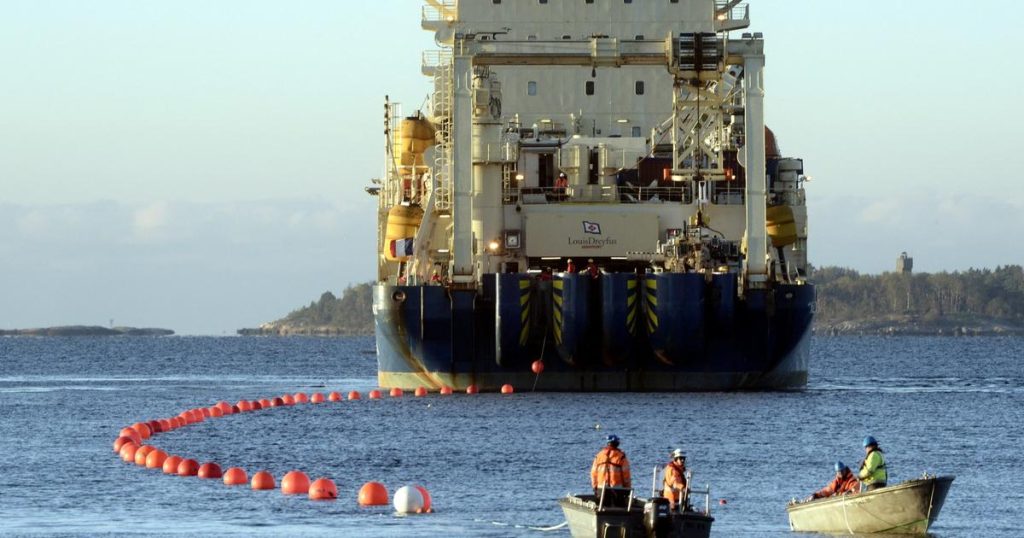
(973, 302)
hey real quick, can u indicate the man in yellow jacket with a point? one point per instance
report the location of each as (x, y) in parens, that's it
(872, 474)
(610, 468)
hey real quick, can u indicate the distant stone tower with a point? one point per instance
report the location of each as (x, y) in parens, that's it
(904, 264)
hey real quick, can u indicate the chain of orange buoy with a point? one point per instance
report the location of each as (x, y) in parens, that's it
(130, 446)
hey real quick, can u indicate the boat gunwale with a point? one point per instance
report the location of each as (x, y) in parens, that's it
(909, 484)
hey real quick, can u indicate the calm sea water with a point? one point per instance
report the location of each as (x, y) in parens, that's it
(494, 464)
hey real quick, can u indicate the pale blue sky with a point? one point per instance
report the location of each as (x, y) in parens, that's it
(199, 165)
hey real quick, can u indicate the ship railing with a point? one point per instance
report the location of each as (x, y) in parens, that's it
(440, 11)
(607, 194)
(434, 59)
(731, 15)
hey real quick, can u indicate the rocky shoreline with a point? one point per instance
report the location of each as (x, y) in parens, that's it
(916, 326)
(287, 329)
(87, 330)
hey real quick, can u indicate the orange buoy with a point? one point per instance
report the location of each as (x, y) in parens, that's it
(235, 409)
(723, 501)
(155, 459)
(317, 397)
(374, 394)
(507, 389)
(120, 441)
(354, 395)
(472, 389)
(446, 390)
(216, 412)
(205, 411)
(257, 405)
(187, 417)
(188, 467)
(171, 464)
(396, 392)
(143, 430)
(180, 422)
(288, 399)
(166, 425)
(266, 403)
(323, 489)
(263, 480)
(294, 483)
(276, 402)
(141, 453)
(300, 397)
(373, 494)
(132, 434)
(244, 406)
(154, 427)
(426, 499)
(209, 470)
(127, 452)
(537, 366)
(225, 407)
(420, 392)
(334, 396)
(235, 476)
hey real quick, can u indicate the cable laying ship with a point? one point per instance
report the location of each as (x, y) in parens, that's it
(591, 192)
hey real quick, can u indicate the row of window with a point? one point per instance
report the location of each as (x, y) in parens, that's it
(588, 87)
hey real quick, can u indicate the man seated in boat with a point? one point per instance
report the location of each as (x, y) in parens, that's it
(675, 479)
(609, 474)
(872, 470)
(844, 482)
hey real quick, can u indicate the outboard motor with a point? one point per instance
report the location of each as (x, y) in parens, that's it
(657, 518)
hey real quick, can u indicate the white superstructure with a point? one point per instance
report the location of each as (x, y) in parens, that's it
(651, 109)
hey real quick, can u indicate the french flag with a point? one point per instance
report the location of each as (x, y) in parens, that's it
(401, 247)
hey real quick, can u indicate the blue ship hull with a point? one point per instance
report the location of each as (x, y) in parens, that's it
(619, 332)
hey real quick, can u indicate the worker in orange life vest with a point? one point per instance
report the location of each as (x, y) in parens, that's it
(610, 467)
(844, 482)
(675, 478)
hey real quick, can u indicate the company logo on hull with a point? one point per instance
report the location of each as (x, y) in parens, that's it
(591, 227)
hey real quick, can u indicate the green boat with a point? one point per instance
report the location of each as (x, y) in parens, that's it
(906, 508)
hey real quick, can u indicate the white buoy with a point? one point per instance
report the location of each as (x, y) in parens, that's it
(408, 500)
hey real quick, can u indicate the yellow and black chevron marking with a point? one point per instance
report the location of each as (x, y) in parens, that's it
(524, 311)
(652, 304)
(632, 306)
(558, 285)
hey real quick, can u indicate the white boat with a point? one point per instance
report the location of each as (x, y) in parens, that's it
(906, 508)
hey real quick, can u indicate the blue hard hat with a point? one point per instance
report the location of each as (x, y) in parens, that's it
(840, 466)
(870, 441)
(612, 438)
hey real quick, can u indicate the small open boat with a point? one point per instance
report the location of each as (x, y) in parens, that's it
(618, 514)
(906, 508)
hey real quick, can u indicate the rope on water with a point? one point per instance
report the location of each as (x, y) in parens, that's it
(532, 528)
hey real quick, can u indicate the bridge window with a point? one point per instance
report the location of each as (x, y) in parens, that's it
(636, 131)
(531, 87)
(639, 87)
(589, 88)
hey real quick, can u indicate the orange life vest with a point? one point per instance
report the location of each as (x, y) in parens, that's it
(675, 482)
(610, 468)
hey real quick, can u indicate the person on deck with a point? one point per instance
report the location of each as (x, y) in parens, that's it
(570, 267)
(844, 482)
(592, 269)
(561, 184)
(872, 470)
(610, 468)
(675, 479)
